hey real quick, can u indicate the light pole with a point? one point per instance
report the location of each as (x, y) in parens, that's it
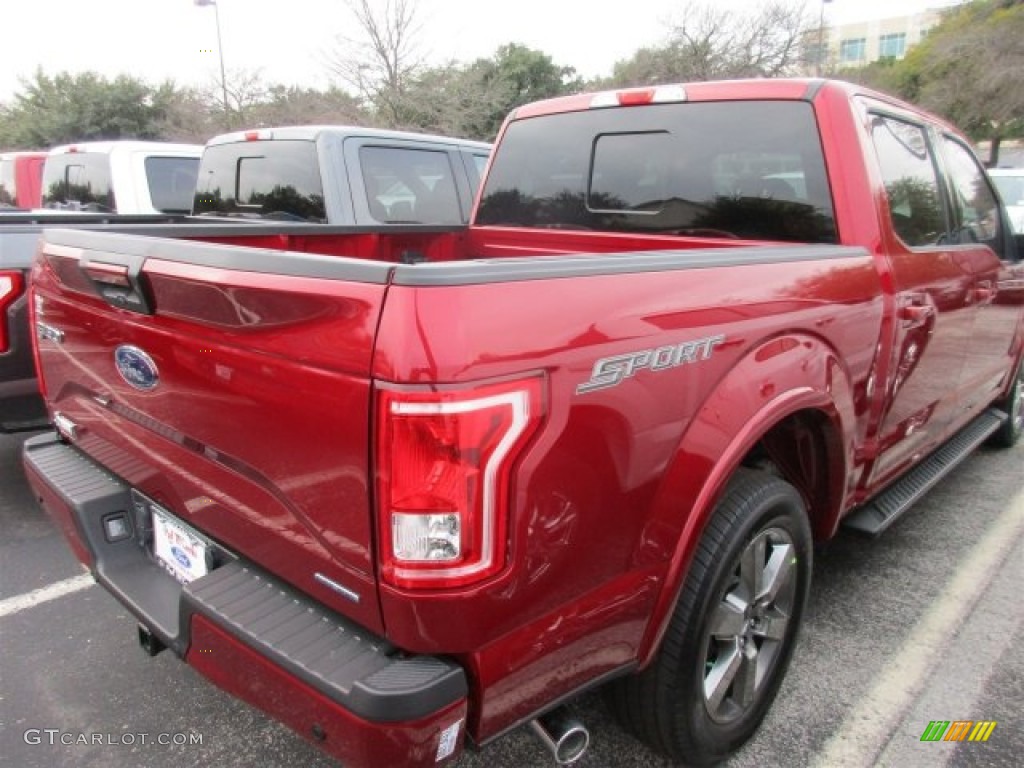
(220, 53)
(821, 37)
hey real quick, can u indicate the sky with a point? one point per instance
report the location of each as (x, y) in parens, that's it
(288, 41)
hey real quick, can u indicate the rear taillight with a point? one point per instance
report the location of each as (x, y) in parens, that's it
(11, 285)
(445, 462)
(35, 311)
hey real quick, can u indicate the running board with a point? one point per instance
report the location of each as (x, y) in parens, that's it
(883, 510)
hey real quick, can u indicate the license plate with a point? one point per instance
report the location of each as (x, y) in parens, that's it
(178, 549)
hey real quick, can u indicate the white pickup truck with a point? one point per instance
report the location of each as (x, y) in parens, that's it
(127, 177)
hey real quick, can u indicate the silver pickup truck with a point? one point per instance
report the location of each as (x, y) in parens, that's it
(341, 176)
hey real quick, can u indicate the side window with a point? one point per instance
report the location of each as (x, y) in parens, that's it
(481, 163)
(911, 181)
(410, 186)
(172, 182)
(974, 204)
(475, 166)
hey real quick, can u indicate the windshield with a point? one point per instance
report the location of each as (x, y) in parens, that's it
(261, 179)
(748, 169)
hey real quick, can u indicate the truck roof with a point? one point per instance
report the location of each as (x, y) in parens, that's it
(128, 145)
(313, 132)
(794, 88)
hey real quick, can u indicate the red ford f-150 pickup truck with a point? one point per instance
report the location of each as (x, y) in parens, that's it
(410, 489)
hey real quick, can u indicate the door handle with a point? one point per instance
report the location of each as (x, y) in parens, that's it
(985, 294)
(914, 315)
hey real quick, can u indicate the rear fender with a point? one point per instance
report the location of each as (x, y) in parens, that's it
(779, 379)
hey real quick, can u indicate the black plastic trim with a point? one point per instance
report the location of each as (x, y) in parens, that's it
(814, 87)
(344, 661)
(882, 511)
(480, 271)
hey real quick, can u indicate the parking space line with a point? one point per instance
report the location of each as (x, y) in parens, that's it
(867, 728)
(977, 658)
(12, 605)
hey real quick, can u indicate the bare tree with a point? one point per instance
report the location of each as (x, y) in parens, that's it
(711, 42)
(245, 90)
(380, 61)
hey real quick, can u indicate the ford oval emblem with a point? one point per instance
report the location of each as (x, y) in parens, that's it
(181, 557)
(136, 367)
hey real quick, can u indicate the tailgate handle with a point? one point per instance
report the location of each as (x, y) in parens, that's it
(110, 274)
(118, 284)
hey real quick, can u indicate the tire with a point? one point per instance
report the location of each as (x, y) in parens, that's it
(1013, 404)
(724, 656)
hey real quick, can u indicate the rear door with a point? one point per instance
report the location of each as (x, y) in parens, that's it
(933, 287)
(230, 386)
(986, 250)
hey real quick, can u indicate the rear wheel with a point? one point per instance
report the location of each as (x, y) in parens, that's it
(1008, 434)
(733, 630)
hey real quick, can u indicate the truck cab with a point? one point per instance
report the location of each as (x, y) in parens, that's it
(137, 177)
(341, 175)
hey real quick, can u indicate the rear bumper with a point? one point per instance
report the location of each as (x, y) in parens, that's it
(351, 693)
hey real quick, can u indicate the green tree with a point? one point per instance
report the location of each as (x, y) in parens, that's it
(453, 100)
(190, 116)
(473, 100)
(291, 105)
(86, 106)
(968, 69)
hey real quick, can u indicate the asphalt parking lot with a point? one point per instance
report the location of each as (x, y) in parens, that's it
(923, 624)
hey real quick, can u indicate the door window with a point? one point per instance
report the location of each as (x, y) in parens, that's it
(911, 181)
(975, 208)
(410, 186)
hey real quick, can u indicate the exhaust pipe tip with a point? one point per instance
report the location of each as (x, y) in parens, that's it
(565, 737)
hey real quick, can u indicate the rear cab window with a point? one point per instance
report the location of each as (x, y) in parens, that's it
(747, 169)
(277, 179)
(78, 181)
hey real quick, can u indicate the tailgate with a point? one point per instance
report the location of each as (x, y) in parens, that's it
(230, 386)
